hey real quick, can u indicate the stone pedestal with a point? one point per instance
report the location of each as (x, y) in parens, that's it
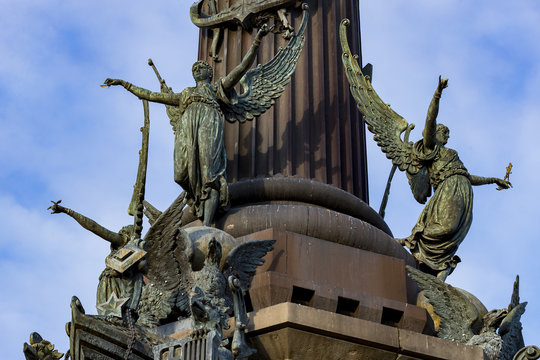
(335, 278)
(293, 331)
(314, 299)
(335, 285)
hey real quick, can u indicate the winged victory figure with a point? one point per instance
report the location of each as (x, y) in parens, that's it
(445, 220)
(199, 151)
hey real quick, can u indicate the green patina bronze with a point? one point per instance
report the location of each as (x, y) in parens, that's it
(242, 12)
(197, 115)
(464, 319)
(40, 349)
(429, 164)
(249, 14)
(201, 294)
(111, 282)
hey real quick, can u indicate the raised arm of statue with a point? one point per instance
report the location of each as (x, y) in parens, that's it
(141, 93)
(430, 129)
(114, 238)
(229, 81)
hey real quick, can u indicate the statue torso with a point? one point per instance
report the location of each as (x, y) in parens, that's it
(446, 163)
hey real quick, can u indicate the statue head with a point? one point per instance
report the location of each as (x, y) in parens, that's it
(202, 71)
(443, 133)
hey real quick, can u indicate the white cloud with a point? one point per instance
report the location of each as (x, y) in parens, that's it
(64, 137)
(490, 53)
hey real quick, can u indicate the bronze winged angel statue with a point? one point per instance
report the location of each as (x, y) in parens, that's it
(198, 112)
(447, 217)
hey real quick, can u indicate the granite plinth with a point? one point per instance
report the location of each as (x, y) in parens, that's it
(293, 331)
(336, 278)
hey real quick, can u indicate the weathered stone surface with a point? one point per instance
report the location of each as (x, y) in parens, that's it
(293, 331)
(428, 347)
(290, 343)
(94, 337)
(335, 278)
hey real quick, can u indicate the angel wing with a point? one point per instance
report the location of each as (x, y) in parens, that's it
(168, 248)
(263, 84)
(244, 259)
(386, 125)
(458, 313)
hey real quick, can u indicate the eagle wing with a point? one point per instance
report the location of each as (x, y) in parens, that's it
(458, 314)
(511, 327)
(244, 259)
(168, 248)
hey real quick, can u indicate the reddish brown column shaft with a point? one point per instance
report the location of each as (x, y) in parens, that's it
(314, 131)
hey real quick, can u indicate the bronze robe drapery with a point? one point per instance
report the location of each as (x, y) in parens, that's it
(200, 160)
(112, 282)
(447, 217)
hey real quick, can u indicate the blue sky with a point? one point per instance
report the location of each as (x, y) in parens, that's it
(64, 137)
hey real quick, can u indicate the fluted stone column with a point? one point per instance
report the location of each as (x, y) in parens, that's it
(314, 131)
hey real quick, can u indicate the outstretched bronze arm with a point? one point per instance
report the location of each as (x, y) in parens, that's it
(229, 81)
(480, 180)
(141, 93)
(89, 224)
(430, 129)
